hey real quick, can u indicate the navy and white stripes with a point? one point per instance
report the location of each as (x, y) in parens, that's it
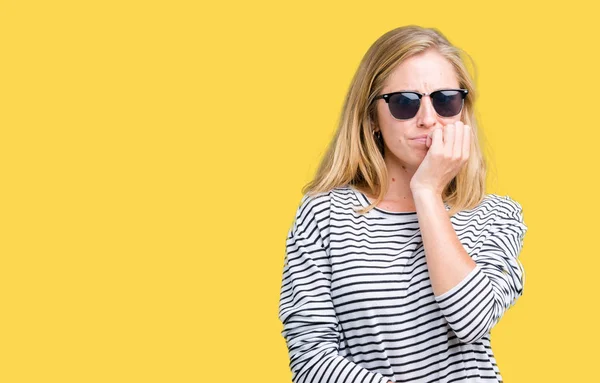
(356, 302)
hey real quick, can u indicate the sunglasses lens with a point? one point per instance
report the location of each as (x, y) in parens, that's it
(447, 103)
(404, 105)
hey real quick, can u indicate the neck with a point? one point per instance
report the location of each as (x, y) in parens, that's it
(399, 176)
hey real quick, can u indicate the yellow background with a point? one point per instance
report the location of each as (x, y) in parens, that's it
(152, 155)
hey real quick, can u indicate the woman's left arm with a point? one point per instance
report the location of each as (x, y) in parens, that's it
(472, 293)
(447, 260)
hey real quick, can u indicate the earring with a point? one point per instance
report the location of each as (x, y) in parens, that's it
(378, 137)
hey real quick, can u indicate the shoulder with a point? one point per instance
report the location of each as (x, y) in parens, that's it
(312, 210)
(502, 205)
(500, 211)
(313, 204)
(317, 202)
(315, 208)
(493, 207)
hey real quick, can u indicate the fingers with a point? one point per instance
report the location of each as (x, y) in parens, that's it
(452, 141)
(436, 138)
(456, 141)
(449, 132)
(459, 128)
(466, 146)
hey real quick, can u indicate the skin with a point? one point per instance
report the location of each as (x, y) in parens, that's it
(419, 172)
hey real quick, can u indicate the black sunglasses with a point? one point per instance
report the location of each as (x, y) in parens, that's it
(405, 105)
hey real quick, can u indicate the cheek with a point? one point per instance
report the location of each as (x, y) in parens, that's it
(396, 133)
(446, 121)
(455, 119)
(383, 114)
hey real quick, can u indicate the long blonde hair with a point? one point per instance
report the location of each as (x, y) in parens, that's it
(355, 158)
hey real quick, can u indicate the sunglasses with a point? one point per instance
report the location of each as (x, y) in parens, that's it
(405, 105)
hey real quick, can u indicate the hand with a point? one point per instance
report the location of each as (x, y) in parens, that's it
(449, 150)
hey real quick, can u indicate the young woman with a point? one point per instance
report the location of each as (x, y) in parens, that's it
(398, 263)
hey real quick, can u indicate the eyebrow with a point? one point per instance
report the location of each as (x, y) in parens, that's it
(416, 91)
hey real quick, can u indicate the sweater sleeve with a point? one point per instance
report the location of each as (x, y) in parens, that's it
(474, 306)
(310, 324)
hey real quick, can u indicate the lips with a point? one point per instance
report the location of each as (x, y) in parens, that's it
(422, 139)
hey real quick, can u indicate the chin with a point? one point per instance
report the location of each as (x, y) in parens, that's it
(417, 156)
(416, 160)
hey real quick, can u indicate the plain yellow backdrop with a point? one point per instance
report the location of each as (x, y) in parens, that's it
(152, 155)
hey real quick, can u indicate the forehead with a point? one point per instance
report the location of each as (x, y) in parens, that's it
(424, 72)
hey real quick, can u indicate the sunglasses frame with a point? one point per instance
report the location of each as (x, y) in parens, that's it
(387, 96)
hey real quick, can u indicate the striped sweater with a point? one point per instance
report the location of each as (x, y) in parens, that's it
(356, 301)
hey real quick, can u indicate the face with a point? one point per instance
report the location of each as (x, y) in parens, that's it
(424, 73)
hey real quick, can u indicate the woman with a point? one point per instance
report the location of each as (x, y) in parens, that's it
(398, 264)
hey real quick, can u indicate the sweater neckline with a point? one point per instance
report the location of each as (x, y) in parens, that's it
(377, 211)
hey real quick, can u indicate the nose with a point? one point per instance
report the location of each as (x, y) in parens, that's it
(426, 117)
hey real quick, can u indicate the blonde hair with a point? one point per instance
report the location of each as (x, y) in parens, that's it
(355, 158)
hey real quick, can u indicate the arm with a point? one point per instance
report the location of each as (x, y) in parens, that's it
(447, 260)
(310, 325)
(473, 293)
